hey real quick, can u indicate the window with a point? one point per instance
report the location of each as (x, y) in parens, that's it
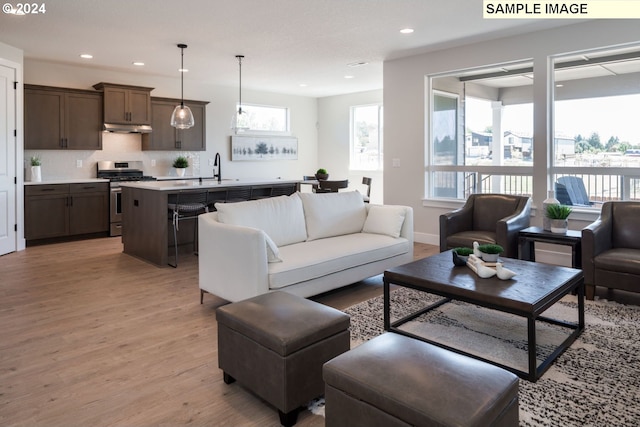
(596, 139)
(481, 132)
(264, 119)
(366, 137)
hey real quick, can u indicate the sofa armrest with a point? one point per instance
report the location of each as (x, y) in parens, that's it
(232, 259)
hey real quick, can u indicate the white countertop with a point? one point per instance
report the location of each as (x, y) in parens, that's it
(66, 181)
(188, 184)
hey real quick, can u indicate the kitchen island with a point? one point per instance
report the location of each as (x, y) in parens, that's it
(146, 229)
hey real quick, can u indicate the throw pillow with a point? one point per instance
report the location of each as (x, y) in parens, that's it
(384, 220)
(282, 217)
(333, 214)
(273, 253)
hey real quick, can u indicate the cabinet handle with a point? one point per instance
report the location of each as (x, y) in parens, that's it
(61, 142)
(46, 189)
(70, 200)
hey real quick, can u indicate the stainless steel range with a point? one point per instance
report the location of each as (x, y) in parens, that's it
(117, 172)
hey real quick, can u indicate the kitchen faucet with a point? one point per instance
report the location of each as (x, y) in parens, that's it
(218, 163)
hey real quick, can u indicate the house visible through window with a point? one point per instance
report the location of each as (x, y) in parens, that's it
(264, 119)
(366, 137)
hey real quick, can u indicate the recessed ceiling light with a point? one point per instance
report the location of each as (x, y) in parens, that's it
(406, 30)
(86, 56)
(303, 85)
(138, 64)
(348, 77)
(559, 85)
(183, 70)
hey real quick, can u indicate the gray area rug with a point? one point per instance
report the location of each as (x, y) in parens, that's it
(596, 382)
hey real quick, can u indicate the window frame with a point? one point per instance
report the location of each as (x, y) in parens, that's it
(380, 142)
(250, 131)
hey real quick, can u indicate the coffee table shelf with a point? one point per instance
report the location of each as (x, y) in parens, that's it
(536, 288)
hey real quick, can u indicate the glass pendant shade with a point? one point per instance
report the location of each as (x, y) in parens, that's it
(182, 117)
(240, 121)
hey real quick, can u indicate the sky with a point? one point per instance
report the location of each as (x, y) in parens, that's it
(608, 116)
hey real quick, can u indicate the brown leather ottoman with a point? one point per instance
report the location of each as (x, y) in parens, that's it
(275, 345)
(394, 380)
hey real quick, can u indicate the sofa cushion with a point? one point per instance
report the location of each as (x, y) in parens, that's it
(282, 217)
(317, 258)
(333, 214)
(384, 220)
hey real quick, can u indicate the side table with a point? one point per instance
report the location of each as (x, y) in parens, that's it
(529, 236)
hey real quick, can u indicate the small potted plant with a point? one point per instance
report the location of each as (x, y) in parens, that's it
(181, 163)
(36, 170)
(461, 255)
(490, 252)
(321, 174)
(558, 215)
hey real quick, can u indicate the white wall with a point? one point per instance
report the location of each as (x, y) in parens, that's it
(405, 105)
(222, 101)
(333, 140)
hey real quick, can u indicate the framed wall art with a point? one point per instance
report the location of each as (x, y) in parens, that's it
(263, 148)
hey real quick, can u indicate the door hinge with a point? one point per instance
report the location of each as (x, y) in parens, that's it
(15, 180)
(15, 133)
(15, 227)
(15, 85)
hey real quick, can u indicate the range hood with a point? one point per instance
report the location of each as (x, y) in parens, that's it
(118, 128)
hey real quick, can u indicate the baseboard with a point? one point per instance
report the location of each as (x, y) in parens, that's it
(427, 239)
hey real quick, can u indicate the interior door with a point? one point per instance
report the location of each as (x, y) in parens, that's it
(8, 234)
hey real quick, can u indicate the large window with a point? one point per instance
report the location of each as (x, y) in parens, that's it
(366, 137)
(264, 119)
(596, 150)
(481, 133)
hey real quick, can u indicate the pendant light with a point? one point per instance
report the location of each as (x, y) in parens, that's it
(182, 117)
(239, 119)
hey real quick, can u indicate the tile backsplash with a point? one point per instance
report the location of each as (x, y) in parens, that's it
(72, 164)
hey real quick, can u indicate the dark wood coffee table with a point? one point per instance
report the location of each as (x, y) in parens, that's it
(534, 289)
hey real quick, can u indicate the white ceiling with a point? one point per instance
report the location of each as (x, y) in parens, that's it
(286, 43)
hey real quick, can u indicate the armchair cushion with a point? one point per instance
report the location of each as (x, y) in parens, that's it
(622, 260)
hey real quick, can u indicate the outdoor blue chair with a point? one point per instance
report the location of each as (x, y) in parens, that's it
(570, 190)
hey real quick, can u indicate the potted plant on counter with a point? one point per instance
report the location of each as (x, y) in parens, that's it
(490, 252)
(36, 170)
(558, 215)
(181, 163)
(322, 174)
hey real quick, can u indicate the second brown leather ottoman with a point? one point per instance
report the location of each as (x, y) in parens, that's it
(393, 381)
(275, 345)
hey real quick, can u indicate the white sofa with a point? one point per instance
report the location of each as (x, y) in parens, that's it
(304, 244)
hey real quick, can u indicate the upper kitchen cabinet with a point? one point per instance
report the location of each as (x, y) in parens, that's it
(166, 137)
(57, 118)
(126, 104)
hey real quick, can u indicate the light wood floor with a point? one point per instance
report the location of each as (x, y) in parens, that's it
(90, 336)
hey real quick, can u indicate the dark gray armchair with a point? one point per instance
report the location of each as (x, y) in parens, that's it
(486, 218)
(611, 248)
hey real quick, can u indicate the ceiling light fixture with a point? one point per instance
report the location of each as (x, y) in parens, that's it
(138, 64)
(348, 77)
(239, 119)
(406, 30)
(182, 117)
(86, 56)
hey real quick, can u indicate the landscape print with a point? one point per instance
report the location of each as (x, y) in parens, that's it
(259, 148)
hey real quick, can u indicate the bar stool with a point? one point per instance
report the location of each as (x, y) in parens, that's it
(186, 206)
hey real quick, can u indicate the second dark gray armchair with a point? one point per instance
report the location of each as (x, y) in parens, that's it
(486, 218)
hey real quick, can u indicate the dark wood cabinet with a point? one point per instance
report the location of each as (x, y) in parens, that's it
(58, 119)
(126, 104)
(59, 210)
(166, 137)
